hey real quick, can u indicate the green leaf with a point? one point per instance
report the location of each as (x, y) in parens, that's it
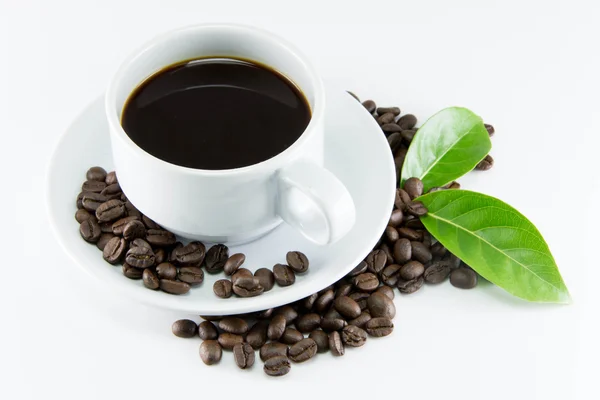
(446, 147)
(496, 241)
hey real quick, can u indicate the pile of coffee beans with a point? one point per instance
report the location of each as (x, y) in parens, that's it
(147, 251)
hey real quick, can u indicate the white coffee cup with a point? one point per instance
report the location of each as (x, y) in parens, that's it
(241, 204)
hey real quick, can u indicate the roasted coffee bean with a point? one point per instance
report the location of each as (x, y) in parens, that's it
(408, 135)
(370, 106)
(379, 327)
(388, 291)
(184, 328)
(360, 298)
(333, 324)
(241, 273)
(297, 261)
(212, 317)
(388, 253)
(438, 250)
(91, 201)
(381, 306)
(391, 128)
(276, 327)
(390, 274)
(228, 340)
(233, 263)
(402, 199)
(134, 230)
(191, 254)
(118, 226)
(103, 240)
(265, 314)
(140, 243)
(386, 118)
(160, 237)
(207, 331)
(347, 307)
(308, 322)
(216, 257)
(366, 282)
(150, 279)
(343, 290)
(332, 313)
(335, 344)
(191, 275)
(308, 302)
(408, 287)
(150, 224)
(303, 350)
(140, 257)
(321, 339)
(288, 312)
(416, 208)
(106, 227)
(395, 141)
(291, 336)
(166, 271)
(324, 301)
(83, 215)
(407, 121)
(247, 287)
(93, 186)
(490, 129)
(376, 261)
(131, 211)
(79, 202)
(414, 187)
(463, 278)
(159, 254)
(453, 185)
(172, 258)
(277, 366)
(111, 178)
(410, 234)
(223, 288)
(284, 275)
(411, 270)
(385, 110)
(90, 230)
(257, 335)
(174, 287)
(354, 336)
(234, 325)
(437, 272)
(485, 164)
(273, 349)
(265, 278)
(110, 210)
(402, 251)
(396, 218)
(114, 250)
(452, 261)
(414, 223)
(243, 354)
(96, 174)
(359, 269)
(210, 352)
(112, 190)
(361, 320)
(132, 272)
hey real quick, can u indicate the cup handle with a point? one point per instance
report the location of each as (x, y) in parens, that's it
(315, 202)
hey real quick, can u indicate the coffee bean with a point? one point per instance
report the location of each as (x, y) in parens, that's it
(324, 301)
(265, 314)
(335, 344)
(106, 227)
(390, 274)
(402, 199)
(452, 261)
(386, 118)
(414, 187)
(361, 320)
(118, 226)
(438, 250)
(309, 301)
(132, 272)
(490, 129)
(366, 282)
(297, 261)
(304, 350)
(191, 275)
(207, 331)
(112, 191)
(284, 275)
(243, 354)
(276, 327)
(265, 278)
(391, 128)
(402, 250)
(103, 240)
(395, 141)
(247, 287)
(379, 327)
(150, 279)
(376, 261)
(79, 202)
(134, 230)
(354, 336)
(416, 208)
(160, 237)
(291, 336)
(110, 210)
(83, 215)
(159, 254)
(111, 178)
(408, 135)
(277, 366)
(288, 312)
(233, 263)
(370, 106)
(273, 349)
(150, 224)
(411, 270)
(410, 234)
(241, 273)
(166, 271)
(234, 325)
(91, 201)
(343, 290)
(385, 110)
(191, 254)
(96, 174)
(396, 218)
(140, 257)
(408, 287)
(414, 223)
(407, 121)
(485, 164)
(114, 250)
(257, 335)
(360, 298)
(184, 328)
(131, 211)
(93, 186)
(463, 278)
(210, 352)
(308, 322)
(437, 272)
(388, 291)
(347, 307)
(359, 269)
(90, 230)
(228, 340)
(223, 288)
(212, 317)
(333, 324)
(173, 287)
(381, 306)
(453, 185)
(321, 339)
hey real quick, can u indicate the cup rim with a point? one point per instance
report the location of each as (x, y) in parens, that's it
(274, 162)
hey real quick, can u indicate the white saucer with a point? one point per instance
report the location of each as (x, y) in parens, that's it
(355, 151)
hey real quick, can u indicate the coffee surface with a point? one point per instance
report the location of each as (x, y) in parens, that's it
(215, 113)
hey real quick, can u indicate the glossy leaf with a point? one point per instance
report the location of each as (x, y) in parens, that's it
(446, 147)
(496, 241)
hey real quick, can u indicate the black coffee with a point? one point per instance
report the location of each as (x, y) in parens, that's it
(216, 113)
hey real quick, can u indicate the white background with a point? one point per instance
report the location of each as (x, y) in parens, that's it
(529, 67)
